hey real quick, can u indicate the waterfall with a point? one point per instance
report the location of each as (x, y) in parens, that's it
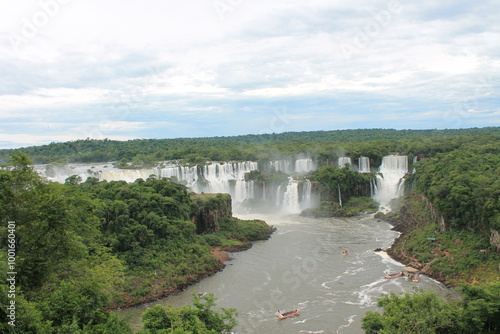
(228, 178)
(373, 187)
(343, 161)
(59, 174)
(185, 175)
(290, 202)
(303, 166)
(340, 195)
(127, 175)
(306, 197)
(279, 197)
(282, 165)
(243, 190)
(364, 165)
(390, 181)
(214, 177)
(415, 159)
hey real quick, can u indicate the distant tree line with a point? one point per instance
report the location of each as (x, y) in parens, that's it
(322, 145)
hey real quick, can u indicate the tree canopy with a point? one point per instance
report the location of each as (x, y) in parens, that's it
(424, 312)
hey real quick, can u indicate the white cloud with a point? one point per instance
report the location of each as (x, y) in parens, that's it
(126, 65)
(50, 98)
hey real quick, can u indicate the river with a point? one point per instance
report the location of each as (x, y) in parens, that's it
(302, 267)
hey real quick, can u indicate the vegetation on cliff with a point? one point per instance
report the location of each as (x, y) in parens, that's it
(449, 226)
(67, 276)
(450, 222)
(455, 257)
(210, 210)
(464, 186)
(343, 193)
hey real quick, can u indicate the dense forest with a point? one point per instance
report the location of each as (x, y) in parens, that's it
(456, 202)
(450, 222)
(85, 248)
(423, 312)
(322, 145)
(88, 246)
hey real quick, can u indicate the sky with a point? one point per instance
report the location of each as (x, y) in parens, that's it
(123, 69)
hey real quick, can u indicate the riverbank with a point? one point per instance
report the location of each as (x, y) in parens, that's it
(452, 257)
(158, 292)
(236, 235)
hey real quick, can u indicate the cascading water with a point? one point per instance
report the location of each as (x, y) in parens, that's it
(290, 202)
(228, 178)
(304, 165)
(294, 197)
(215, 177)
(301, 166)
(340, 195)
(343, 161)
(306, 197)
(390, 181)
(364, 165)
(185, 175)
(59, 174)
(282, 165)
(128, 175)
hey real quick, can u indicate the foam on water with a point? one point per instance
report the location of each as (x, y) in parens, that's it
(349, 320)
(305, 320)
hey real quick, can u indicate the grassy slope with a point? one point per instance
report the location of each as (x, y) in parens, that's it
(454, 257)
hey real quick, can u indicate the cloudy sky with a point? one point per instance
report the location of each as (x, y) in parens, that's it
(123, 69)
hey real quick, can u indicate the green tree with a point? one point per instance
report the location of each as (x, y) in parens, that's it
(57, 247)
(424, 312)
(28, 318)
(200, 319)
(421, 312)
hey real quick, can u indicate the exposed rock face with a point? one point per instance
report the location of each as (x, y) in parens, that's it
(495, 239)
(212, 209)
(435, 215)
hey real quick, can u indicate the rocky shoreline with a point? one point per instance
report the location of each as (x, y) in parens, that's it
(413, 263)
(403, 221)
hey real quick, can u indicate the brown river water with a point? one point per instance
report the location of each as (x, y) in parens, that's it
(302, 267)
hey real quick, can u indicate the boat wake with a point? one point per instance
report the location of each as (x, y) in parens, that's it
(305, 320)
